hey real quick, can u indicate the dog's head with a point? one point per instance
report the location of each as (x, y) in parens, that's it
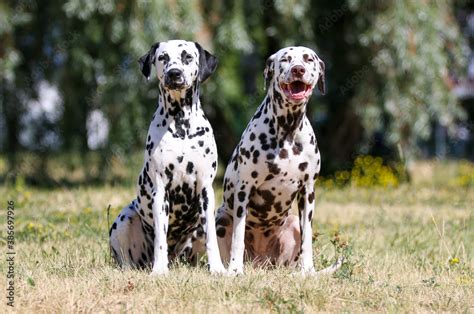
(178, 63)
(294, 72)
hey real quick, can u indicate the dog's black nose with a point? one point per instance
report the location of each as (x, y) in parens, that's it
(298, 70)
(174, 74)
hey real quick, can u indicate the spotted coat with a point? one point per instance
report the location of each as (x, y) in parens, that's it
(170, 217)
(276, 162)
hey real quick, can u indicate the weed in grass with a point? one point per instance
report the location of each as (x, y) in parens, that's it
(275, 302)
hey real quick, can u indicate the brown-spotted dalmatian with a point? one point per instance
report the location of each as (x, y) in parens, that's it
(173, 214)
(276, 162)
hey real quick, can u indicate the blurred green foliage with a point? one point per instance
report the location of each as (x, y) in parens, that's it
(388, 69)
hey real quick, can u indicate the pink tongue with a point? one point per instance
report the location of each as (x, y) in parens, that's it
(297, 87)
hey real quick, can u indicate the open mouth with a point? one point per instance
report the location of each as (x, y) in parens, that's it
(296, 90)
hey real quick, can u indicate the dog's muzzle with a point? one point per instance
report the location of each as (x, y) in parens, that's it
(297, 88)
(174, 79)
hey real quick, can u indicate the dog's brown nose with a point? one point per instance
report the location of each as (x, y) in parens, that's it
(298, 70)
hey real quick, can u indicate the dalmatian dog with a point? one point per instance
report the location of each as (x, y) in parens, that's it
(173, 214)
(276, 162)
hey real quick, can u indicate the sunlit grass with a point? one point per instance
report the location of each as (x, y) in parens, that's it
(408, 248)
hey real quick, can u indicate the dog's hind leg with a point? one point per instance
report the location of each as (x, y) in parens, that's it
(224, 233)
(128, 241)
(287, 249)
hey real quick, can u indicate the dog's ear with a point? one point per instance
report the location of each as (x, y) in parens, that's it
(147, 60)
(268, 72)
(321, 79)
(207, 63)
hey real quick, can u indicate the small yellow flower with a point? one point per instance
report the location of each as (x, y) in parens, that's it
(27, 195)
(368, 160)
(463, 280)
(453, 261)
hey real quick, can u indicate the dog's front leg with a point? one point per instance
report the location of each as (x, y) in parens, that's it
(212, 249)
(160, 219)
(305, 210)
(241, 197)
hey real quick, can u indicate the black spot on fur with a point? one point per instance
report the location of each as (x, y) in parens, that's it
(311, 197)
(189, 167)
(220, 232)
(241, 196)
(255, 156)
(230, 201)
(273, 168)
(240, 211)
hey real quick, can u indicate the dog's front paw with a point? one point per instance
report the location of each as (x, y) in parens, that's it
(218, 269)
(310, 271)
(161, 271)
(235, 270)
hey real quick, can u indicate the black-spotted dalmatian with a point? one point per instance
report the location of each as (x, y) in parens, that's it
(276, 162)
(173, 214)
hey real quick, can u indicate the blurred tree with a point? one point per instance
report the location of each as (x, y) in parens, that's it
(387, 64)
(412, 47)
(245, 34)
(16, 72)
(114, 34)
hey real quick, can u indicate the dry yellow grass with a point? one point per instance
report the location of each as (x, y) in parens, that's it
(409, 249)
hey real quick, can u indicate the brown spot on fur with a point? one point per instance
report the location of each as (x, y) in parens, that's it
(297, 148)
(302, 166)
(283, 153)
(223, 222)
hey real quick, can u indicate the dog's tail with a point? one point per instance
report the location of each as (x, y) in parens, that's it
(331, 269)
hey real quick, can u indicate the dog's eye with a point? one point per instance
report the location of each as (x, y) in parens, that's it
(283, 60)
(189, 58)
(308, 58)
(163, 58)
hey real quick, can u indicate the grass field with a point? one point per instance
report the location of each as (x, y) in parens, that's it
(407, 249)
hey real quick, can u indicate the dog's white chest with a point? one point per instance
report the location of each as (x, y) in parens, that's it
(183, 149)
